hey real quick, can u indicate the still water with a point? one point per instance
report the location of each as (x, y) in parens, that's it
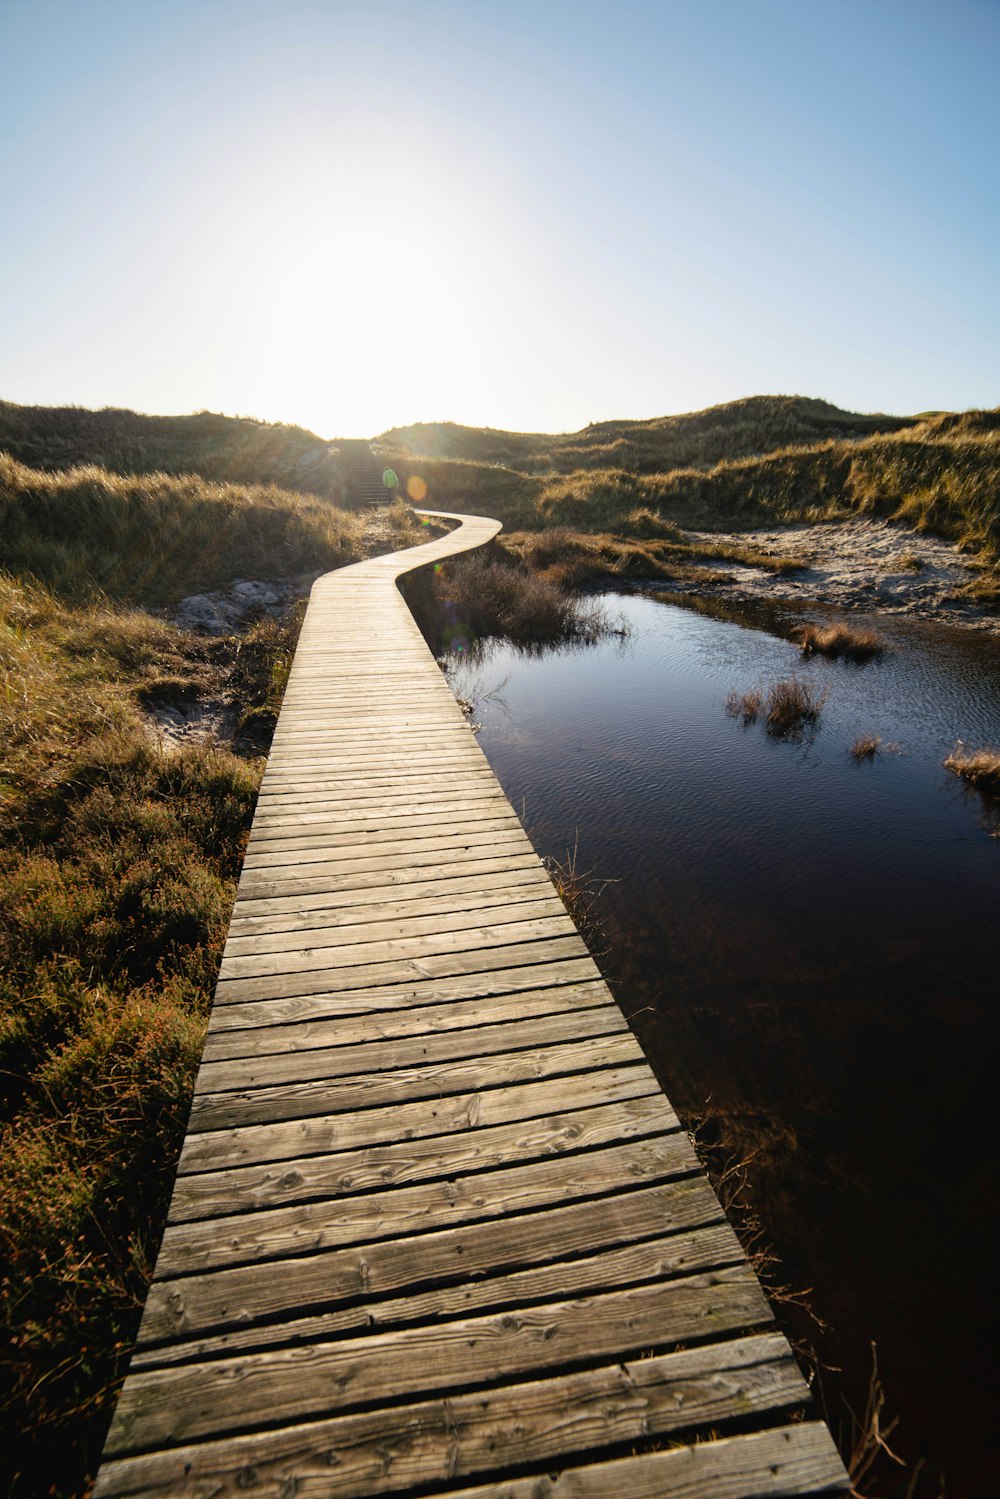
(807, 949)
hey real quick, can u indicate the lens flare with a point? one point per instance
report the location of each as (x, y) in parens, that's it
(416, 488)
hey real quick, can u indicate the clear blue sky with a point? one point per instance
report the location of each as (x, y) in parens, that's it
(528, 215)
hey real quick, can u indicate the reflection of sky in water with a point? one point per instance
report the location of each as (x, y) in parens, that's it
(812, 939)
(630, 743)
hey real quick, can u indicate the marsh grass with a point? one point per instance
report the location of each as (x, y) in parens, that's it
(866, 747)
(746, 705)
(979, 768)
(788, 707)
(490, 594)
(845, 640)
(771, 460)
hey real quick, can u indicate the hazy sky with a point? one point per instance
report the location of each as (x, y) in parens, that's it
(356, 213)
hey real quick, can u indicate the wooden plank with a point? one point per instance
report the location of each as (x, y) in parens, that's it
(436, 1441)
(401, 971)
(429, 875)
(794, 1460)
(280, 1233)
(351, 1030)
(433, 1080)
(372, 905)
(387, 1055)
(381, 1000)
(180, 1404)
(324, 1133)
(369, 925)
(710, 1248)
(264, 1184)
(197, 1305)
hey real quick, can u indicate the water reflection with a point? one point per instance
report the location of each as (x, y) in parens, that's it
(808, 947)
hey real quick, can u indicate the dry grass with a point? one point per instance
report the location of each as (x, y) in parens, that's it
(118, 862)
(788, 708)
(766, 461)
(792, 706)
(88, 532)
(488, 594)
(980, 768)
(745, 705)
(840, 640)
(865, 747)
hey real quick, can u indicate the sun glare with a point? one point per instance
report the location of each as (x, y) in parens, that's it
(352, 318)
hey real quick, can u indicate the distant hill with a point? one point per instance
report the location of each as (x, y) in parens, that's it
(699, 439)
(765, 459)
(231, 448)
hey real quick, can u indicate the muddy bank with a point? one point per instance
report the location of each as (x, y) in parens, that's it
(863, 564)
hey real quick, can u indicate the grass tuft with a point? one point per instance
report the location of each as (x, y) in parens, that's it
(745, 705)
(840, 640)
(866, 747)
(980, 768)
(792, 706)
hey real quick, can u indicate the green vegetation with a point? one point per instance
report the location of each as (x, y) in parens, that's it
(119, 854)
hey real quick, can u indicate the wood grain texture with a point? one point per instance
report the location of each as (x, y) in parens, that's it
(397, 1451)
(434, 1224)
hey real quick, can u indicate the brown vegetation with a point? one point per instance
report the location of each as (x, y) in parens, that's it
(769, 461)
(840, 640)
(865, 747)
(981, 768)
(788, 707)
(118, 860)
(488, 593)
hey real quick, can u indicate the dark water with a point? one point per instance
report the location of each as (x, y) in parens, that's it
(807, 947)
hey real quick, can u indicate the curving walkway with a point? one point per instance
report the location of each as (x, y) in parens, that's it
(435, 1227)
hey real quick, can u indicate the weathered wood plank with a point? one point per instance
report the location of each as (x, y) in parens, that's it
(367, 927)
(373, 1024)
(265, 1184)
(710, 1248)
(197, 1305)
(277, 893)
(279, 1233)
(372, 906)
(379, 999)
(433, 1080)
(793, 1460)
(179, 1404)
(436, 1441)
(219, 1150)
(387, 1055)
(402, 971)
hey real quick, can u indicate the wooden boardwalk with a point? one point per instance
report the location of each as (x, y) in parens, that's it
(435, 1228)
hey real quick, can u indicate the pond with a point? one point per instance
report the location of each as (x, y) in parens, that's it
(806, 946)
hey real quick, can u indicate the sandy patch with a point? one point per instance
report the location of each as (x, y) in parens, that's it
(863, 564)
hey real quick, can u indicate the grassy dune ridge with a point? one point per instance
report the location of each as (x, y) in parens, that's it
(940, 475)
(237, 450)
